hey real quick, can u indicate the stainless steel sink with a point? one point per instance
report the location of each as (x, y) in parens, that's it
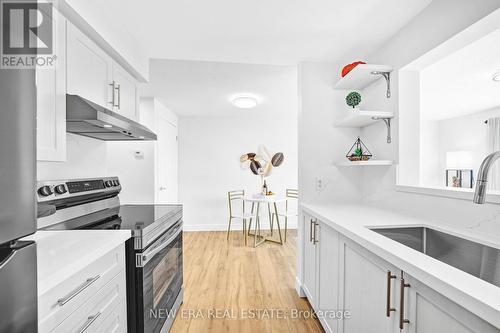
(474, 258)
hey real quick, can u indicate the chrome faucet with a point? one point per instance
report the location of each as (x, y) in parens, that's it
(482, 177)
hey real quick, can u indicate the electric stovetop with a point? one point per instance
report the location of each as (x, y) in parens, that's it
(144, 220)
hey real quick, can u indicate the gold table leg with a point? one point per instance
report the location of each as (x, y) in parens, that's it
(257, 226)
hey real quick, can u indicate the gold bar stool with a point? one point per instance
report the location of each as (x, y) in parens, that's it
(290, 194)
(233, 196)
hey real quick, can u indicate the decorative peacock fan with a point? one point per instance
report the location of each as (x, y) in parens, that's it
(262, 163)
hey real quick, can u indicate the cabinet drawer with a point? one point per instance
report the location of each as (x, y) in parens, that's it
(115, 322)
(60, 302)
(99, 310)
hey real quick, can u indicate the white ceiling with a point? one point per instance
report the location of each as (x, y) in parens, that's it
(196, 88)
(461, 83)
(280, 32)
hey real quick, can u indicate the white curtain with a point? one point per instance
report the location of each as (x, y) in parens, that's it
(494, 145)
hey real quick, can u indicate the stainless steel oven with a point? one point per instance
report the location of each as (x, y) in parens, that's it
(158, 283)
(154, 253)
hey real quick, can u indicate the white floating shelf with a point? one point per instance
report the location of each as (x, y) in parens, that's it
(361, 118)
(364, 163)
(361, 76)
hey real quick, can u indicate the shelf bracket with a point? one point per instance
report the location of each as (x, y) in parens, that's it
(387, 77)
(387, 122)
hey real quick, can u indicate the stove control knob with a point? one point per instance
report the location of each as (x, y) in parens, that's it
(60, 189)
(115, 183)
(108, 183)
(45, 191)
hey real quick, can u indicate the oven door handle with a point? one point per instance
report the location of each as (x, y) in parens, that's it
(142, 259)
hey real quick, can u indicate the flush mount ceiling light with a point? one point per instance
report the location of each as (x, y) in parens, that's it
(496, 77)
(245, 101)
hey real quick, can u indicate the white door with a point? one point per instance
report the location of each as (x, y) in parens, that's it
(51, 99)
(166, 161)
(328, 275)
(125, 93)
(309, 265)
(89, 69)
(363, 285)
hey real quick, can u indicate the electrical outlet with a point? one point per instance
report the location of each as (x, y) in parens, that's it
(320, 184)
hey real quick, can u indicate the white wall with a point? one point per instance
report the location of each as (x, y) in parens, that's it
(133, 161)
(209, 167)
(466, 133)
(86, 158)
(424, 33)
(89, 158)
(320, 144)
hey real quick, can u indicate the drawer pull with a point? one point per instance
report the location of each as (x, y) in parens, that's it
(89, 322)
(74, 293)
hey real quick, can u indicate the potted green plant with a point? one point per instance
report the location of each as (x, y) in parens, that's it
(353, 99)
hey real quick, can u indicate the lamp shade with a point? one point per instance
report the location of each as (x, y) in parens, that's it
(459, 160)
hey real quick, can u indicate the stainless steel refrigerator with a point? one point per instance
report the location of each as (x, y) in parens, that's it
(18, 284)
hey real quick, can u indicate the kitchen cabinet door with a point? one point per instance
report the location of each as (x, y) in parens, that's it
(89, 68)
(125, 93)
(430, 312)
(363, 285)
(51, 99)
(309, 260)
(328, 274)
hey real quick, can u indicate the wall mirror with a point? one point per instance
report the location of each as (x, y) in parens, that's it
(449, 114)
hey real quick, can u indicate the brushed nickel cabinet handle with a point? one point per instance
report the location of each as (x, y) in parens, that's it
(112, 84)
(311, 230)
(315, 240)
(89, 322)
(402, 319)
(119, 96)
(389, 309)
(78, 290)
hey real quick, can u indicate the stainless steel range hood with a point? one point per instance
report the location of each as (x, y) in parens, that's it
(87, 118)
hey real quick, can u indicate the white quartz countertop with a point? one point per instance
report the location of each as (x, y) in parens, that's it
(62, 253)
(474, 294)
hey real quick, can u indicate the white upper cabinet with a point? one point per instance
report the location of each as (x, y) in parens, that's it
(93, 75)
(89, 69)
(125, 93)
(51, 99)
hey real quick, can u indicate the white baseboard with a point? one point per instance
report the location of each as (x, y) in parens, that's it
(206, 227)
(298, 287)
(222, 227)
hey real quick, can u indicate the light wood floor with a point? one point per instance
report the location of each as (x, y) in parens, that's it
(220, 275)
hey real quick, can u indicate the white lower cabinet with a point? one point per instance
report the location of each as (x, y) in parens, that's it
(368, 288)
(309, 282)
(92, 297)
(328, 263)
(340, 274)
(99, 313)
(320, 270)
(430, 312)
